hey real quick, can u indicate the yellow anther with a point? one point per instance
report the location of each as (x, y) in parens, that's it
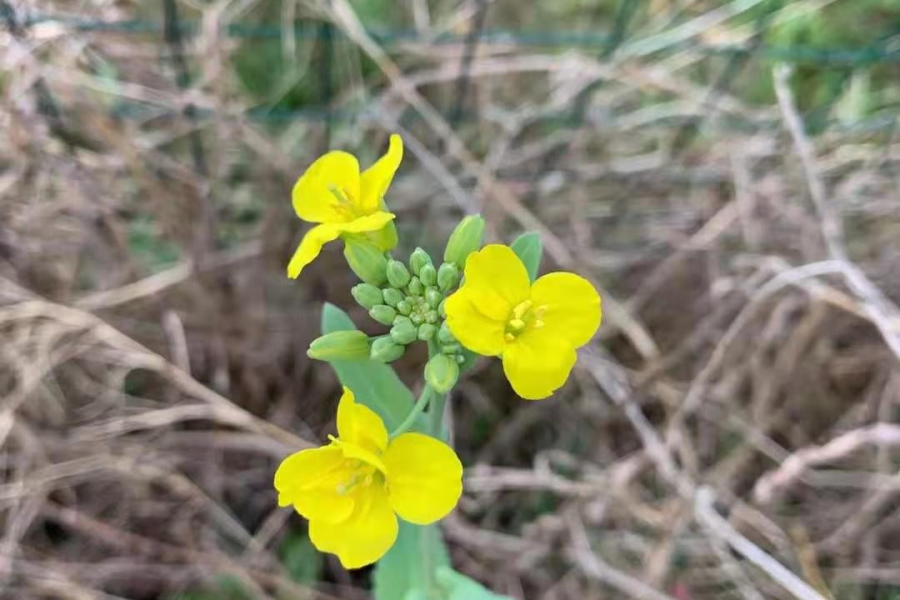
(538, 324)
(509, 337)
(517, 325)
(522, 309)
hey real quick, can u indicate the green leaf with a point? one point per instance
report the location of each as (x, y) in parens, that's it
(529, 249)
(301, 559)
(373, 383)
(418, 550)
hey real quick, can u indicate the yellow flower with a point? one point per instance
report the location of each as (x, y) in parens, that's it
(344, 202)
(535, 328)
(353, 489)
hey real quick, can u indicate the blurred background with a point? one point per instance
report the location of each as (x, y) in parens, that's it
(726, 172)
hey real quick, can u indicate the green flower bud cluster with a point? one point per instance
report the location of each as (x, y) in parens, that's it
(410, 301)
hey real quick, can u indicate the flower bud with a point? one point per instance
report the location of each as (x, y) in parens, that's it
(393, 297)
(451, 348)
(442, 310)
(431, 317)
(428, 275)
(397, 275)
(464, 240)
(415, 287)
(447, 276)
(366, 295)
(404, 332)
(444, 334)
(385, 350)
(427, 331)
(433, 297)
(416, 318)
(441, 373)
(340, 345)
(418, 259)
(383, 314)
(367, 261)
(404, 308)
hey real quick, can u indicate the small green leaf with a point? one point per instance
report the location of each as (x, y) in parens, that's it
(529, 249)
(301, 559)
(417, 552)
(373, 383)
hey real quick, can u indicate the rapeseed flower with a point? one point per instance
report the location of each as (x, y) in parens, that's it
(353, 489)
(535, 328)
(344, 202)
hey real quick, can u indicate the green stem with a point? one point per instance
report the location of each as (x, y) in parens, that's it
(436, 416)
(426, 397)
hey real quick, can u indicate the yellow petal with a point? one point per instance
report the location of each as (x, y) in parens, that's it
(360, 425)
(309, 480)
(318, 236)
(376, 180)
(363, 538)
(468, 323)
(495, 270)
(538, 365)
(314, 197)
(358, 453)
(424, 478)
(369, 223)
(572, 307)
(310, 247)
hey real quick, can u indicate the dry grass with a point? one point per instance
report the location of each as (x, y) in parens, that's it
(732, 433)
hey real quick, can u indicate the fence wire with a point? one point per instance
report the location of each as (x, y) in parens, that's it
(885, 51)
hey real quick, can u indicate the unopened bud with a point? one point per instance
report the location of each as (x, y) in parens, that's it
(415, 287)
(428, 275)
(393, 297)
(447, 276)
(431, 316)
(433, 297)
(397, 274)
(404, 308)
(464, 240)
(441, 373)
(367, 261)
(416, 318)
(384, 349)
(427, 331)
(451, 348)
(383, 313)
(418, 259)
(366, 295)
(340, 345)
(442, 309)
(404, 332)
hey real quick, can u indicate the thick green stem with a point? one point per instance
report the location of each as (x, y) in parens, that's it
(426, 397)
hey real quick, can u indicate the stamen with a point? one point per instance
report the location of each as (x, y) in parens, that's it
(538, 324)
(509, 337)
(517, 324)
(521, 309)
